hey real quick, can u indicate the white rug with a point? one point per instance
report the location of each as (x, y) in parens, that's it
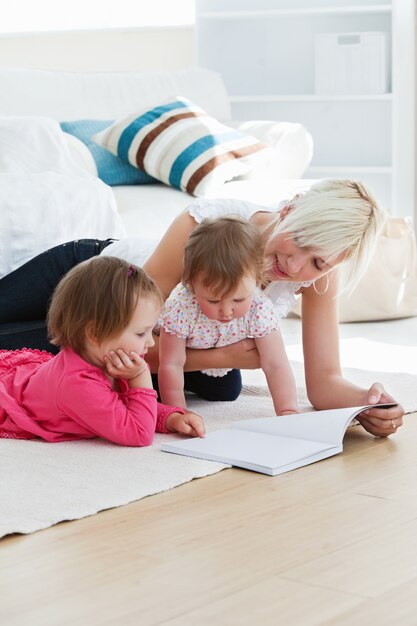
(42, 484)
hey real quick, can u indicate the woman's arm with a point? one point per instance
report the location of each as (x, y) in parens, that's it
(240, 355)
(326, 387)
(165, 264)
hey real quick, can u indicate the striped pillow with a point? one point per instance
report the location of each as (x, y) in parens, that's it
(181, 145)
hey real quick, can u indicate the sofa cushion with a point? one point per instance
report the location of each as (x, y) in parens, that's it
(148, 210)
(110, 168)
(179, 144)
(81, 154)
(106, 95)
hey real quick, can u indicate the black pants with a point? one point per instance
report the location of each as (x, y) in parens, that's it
(215, 389)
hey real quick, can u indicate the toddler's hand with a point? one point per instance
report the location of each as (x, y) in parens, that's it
(121, 365)
(188, 424)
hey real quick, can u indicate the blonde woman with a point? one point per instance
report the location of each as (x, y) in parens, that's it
(305, 240)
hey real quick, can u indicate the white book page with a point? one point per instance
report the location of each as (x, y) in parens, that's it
(253, 450)
(329, 425)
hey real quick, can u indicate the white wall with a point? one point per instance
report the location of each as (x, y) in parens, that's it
(118, 50)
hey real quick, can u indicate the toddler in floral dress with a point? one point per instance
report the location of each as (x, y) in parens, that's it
(219, 303)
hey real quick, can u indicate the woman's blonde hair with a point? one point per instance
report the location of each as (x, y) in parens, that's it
(221, 251)
(335, 217)
(99, 296)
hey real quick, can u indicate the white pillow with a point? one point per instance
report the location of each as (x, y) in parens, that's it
(290, 149)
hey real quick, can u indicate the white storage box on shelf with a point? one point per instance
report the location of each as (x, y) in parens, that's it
(351, 63)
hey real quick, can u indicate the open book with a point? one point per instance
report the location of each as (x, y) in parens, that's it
(274, 445)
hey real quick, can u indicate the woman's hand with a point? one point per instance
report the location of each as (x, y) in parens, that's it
(241, 355)
(380, 422)
(188, 423)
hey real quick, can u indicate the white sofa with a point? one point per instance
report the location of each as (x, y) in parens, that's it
(147, 209)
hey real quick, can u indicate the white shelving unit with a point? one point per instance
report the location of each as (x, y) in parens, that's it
(264, 50)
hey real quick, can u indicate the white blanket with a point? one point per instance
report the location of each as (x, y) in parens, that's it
(45, 483)
(46, 196)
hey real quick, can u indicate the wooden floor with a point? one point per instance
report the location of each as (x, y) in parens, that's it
(331, 543)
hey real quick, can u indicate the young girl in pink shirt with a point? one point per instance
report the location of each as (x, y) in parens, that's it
(101, 316)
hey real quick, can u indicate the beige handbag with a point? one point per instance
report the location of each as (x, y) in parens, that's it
(388, 289)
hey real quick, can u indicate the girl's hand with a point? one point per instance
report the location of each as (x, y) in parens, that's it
(380, 422)
(188, 424)
(121, 365)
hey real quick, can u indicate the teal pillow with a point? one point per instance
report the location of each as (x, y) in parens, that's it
(112, 170)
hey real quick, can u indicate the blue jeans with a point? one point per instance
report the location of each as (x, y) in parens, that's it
(24, 299)
(25, 293)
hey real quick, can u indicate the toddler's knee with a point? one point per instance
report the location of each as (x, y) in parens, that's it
(229, 395)
(225, 389)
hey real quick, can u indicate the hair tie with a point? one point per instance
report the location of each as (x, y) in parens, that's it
(132, 271)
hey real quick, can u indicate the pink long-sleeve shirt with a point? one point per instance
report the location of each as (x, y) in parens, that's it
(62, 398)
